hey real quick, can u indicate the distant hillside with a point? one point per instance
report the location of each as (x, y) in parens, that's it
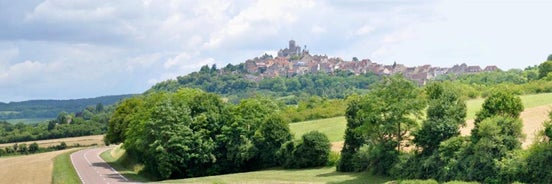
(296, 75)
(51, 108)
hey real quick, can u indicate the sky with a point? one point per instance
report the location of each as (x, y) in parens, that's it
(66, 49)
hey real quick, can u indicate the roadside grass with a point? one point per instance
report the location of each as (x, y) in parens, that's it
(313, 175)
(64, 172)
(119, 160)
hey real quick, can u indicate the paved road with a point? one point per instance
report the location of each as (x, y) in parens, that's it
(94, 170)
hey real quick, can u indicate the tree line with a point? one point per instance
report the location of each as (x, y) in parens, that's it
(192, 133)
(51, 108)
(24, 149)
(233, 83)
(92, 120)
(383, 136)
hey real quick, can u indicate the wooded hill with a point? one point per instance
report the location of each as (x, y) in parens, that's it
(51, 108)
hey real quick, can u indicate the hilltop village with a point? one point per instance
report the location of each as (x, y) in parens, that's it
(293, 61)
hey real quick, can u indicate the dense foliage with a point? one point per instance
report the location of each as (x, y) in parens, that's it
(91, 121)
(445, 113)
(353, 139)
(51, 108)
(387, 114)
(193, 133)
(235, 84)
(311, 151)
(491, 154)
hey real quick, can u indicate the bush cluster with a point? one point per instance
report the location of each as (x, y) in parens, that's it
(312, 151)
(193, 133)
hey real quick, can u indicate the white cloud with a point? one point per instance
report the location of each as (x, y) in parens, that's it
(179, 60)
(263, 18)
(72, 11)
(366, 29)
(7, 55)
(316, 29)
(177, 68)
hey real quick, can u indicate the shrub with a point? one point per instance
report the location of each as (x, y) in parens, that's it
(333, 158)
(539, 163)
(360, 160)
(312, 151)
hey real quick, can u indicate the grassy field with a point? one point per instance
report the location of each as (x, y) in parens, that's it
(317, 175)
(334, 128)
(529, 101)
(64, 172)
(70, 141)
(36, 168)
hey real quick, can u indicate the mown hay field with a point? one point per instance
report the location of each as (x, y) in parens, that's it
(536, 111)
(35, 168)
(70, 141)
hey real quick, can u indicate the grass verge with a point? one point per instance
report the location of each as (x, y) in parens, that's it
(119, 160)
(313, 175)
(64, 172)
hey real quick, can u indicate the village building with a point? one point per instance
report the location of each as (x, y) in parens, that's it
(292, 50)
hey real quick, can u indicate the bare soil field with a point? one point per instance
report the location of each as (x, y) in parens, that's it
(35, 168)
(83, 141)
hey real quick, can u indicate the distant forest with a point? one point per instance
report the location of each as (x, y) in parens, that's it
(51, 108)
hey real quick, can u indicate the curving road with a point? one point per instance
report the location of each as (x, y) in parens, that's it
(92, 169)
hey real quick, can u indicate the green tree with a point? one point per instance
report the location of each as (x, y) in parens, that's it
(537, 160)
(164, 140)
(545, 68)
(445, 113)
(255, 111)
(387, 114)
(127, 111)
(549, 58)
(494, 139)
(390, 111)
(312, 151)
(62, 146)
(353, 138)
(500, 103)
(269, 138)
(22, 148)
(62, 118)
(33, 148)
(99, 107)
